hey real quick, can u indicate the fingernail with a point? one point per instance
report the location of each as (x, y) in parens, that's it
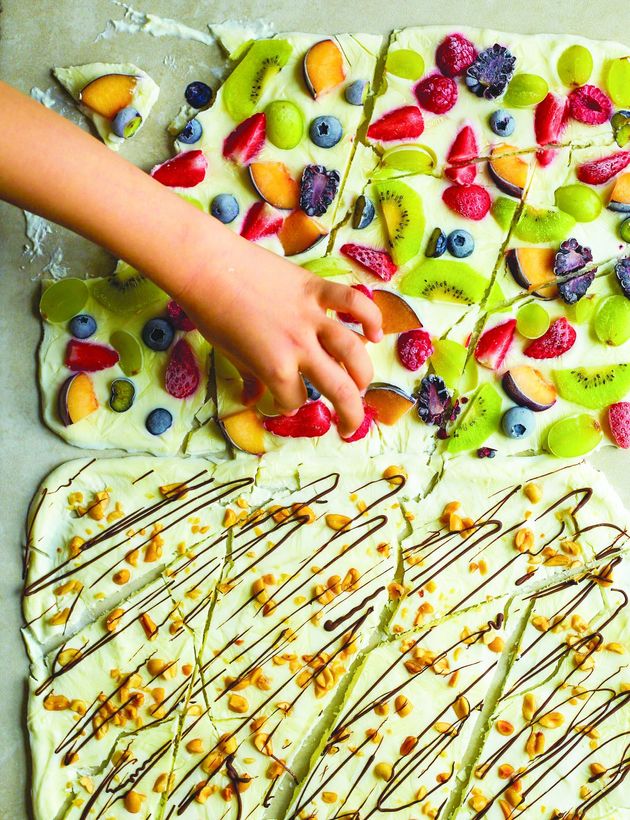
(378, 335)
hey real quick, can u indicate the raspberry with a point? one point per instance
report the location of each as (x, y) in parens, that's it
(454, 54)
(311, 420)
(590, 105)
(469, 201)
(557, 340)
(414, 348)
(601, 170)
(182, 372)
(619, 422)
(347, 317)
(436, 93)
(178, 317)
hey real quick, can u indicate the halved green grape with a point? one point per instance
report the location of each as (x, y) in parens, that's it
(503, 209)
(405, 63)
(63, 299)
(532, 320)
(612, 321)
(581, 201)
(525, 90)
(130, 351)
(411, 159)
(624, 230)
(618, 81)
(622, 135)
(575, 65)
(582, 311)
(328, 266)
(193, 201)
(284, 124)
(574, 436)
(470, 377)
(448, 360)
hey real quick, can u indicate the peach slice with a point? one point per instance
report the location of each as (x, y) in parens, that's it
(106, 95)
(77, 399)
(245, 431)
(323, 67)
(299, 233)
(389, 402)
(274, 183)
(508, 171)
(528, 387)
(620, 195)
(532, 268)
(398, 315)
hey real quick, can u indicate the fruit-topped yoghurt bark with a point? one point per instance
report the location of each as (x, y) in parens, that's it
(398, 744)
(119, 364)
(534, 91)
(494, 526)
(271, 156)
(556, 745)
(117, 98)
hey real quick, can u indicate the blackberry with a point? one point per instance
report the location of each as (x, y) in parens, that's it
(622, 272)
(491, 72)
(571, 257)
(434, 401)
(318, 189)
(574, 289)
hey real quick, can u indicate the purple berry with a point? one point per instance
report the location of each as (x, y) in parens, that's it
(486, 452)
(492, 70)
(318, 189)
(434, 401)
(622, 272)
(571, 257)
(574, 289)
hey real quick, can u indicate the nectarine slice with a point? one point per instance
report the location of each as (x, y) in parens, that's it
(245, 431)
(274, 183)
(508, 170)
(299, 232)
(389, 403)
(398, 315)
(77, 399)
(620, 195)
(106, 95)
(323, 67)
(532, 269)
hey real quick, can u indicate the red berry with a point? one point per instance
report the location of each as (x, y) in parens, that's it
(557, 340)
(601, 170)
(376, 261)
(347, 317)
(404, 123)
(455, 54)
(461, 174)
(89, 356)
(493, 346)
(183, 171)
(260, 220)
(414, 347)
(369, 415)
(619, 422)
(436, 93)
(178, 317)
(182, 372)
(312, 419)
(463, 150)
(590, 105)
(245, 142)
(550, 119)
(469, 201)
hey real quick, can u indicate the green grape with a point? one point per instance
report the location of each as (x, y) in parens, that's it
(574, 436)
(622, 135)
(284, 124)
(532, 320)
(582, 311)
(612, 321)
(448, 360)
(193, 201)
(470, 377)
(618, 81)
(63, 299)
(503, 210)
(624, 230)
(525, 90)
(412, 159)
(575, 65)
(581, 201)
(130, 351)
(405, 63)
(327, 266)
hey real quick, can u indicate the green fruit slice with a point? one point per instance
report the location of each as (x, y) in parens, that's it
(130, 351)
(575, 65)
(538, 225)
(328, 266)
(574, 436)
(284, 124)
(408, 159)
(405, 63)
(594, 387)
(403, 214)
(525, 90)
(448, 360)
(618, 81)
(503, 209)
(612, 321)
(580, 201)
(244, 87)
(480, 420)
(62, 300)
(126, 291)
(445, 280)
(582, 311)
(532, 320)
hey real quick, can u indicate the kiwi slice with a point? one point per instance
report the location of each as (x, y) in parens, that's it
(594, 387)
(403, 214)
(126, 290)
(244, 87)
(480, 420)
(543, 225)
(445, 280)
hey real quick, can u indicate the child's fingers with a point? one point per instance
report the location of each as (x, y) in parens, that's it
(287, 388)
(332, 380)
(347, 348)
(253, 388)
(349, 300)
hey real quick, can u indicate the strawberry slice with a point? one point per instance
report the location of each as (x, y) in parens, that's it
(469, 201)
(261, 220)
(601, 170)
(178, 317)
(404, 123)
(376, 261)
(182, 372)
(183, 171)
(493, 346)
(462, 151)
(369, 416)
(619, 422)
(550, 119)
(245, 142)
(348, 318)
(89, 356)
(311, 420)
(559, 338)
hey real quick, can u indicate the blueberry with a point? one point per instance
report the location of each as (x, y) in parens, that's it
(191, 132)
(460, 243)
(126, 122)
(355, 92)
(325, 131)
(82, 326)
(158, 421)
(224, 207)
(502, 123)
(436, 246)
(198, 94)
(312, 392)
(363, 213)
(518, 422)
(158, 334)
